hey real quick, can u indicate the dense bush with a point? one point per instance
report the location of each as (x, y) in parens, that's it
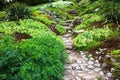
(42, 18)
(18, 11)
(2, 4)
(33, 2)
(41, 57)
(88, 19)
(2, 15)
(110, 10)
(91, 39)
(61, 29)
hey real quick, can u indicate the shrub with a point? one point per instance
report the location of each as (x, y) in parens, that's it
(91, 39)
(110, 11)
(2, 15)
(116, 54)
(28, 26)
(31, 2)
(116, 72)
(83, 43)
(61, 29)
(88, 19)
(41, 57)
(18, 11)
(2, 4)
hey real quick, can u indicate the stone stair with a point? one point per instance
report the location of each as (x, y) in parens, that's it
(78, 66)
(68, 36)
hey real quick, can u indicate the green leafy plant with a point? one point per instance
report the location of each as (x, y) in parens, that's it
(61, 29)
(2, 15)
(116, 55)
(91, 38)
(42, 57)
(18, 11)
(88, 19)
(28, 26)
(83, 43)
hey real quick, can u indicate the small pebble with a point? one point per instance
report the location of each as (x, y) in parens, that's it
(97, 69)
(90, 62)
(109, 74)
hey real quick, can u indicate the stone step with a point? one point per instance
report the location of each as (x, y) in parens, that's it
(69, 31)
(66, 35)
(69, 47)
(68, 41)
(65, 24)
(68, 21)
(68, 28)
(68, 44)
(79, 31)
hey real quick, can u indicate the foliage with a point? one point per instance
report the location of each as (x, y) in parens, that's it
(44, 20)
(61, 4)
(62, 14)
(91, 38)
(2, 15)
(116, 72)
(28, 26)
(110, 10)
(2, 4)
(17, 11)
(88, 19)
(41, 57)
(61, 29)
(82, 43)
(84, 3)
(31, 2)
(116, 55)
(7, 27)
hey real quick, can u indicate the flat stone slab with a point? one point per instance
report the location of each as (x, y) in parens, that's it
(79, 31)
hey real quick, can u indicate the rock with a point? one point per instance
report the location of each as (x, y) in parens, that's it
(68, 47)
(68, 21)
(90, 72)
(68, 41)
(69, 31)
(81, 52)
(80, 31)
(68, 44)
(65, 24)
(90, 66)
(68, 28)
(106, 78)
(66, 35)
(104, 65)
(101, 73)
(90, 55)
(91, 59)
(86, 78)
(83, 56)
(112, 69)
(90, 62)
(68, 67)
(109, 74)
(79, 62)
(97, 64)
(113, 60)
(96, 61)
(99, 58)
(74, 66)
(82, 67)
(86, 59)
(80, 74)
(97, 52)
(97, 69)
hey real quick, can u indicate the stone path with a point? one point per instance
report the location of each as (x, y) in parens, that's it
(80, 65)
